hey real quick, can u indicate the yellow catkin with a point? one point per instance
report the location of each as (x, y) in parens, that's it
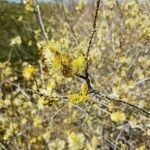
(84, 89)
(80, 97)
(53, 46)
(74, 98)
(78, 64)
(66, 67)
(28, 72)
(118, 116)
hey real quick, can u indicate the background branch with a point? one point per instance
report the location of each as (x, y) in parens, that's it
(39, 19)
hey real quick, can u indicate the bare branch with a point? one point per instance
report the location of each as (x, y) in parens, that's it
(91, 90)
(91, 37)
(105, 96)
(3, 146)
(45, 95)
(39, 19)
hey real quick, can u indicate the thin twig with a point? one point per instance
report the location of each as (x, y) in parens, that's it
(39, 19)
(117, 139)
(105, 96)
(70, 25)
(142, 81)
(91, 37)
(45, 95)
(58, 111)
(3, 146)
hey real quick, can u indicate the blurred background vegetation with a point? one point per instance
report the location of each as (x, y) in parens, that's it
(16, 21)
(119, 63)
